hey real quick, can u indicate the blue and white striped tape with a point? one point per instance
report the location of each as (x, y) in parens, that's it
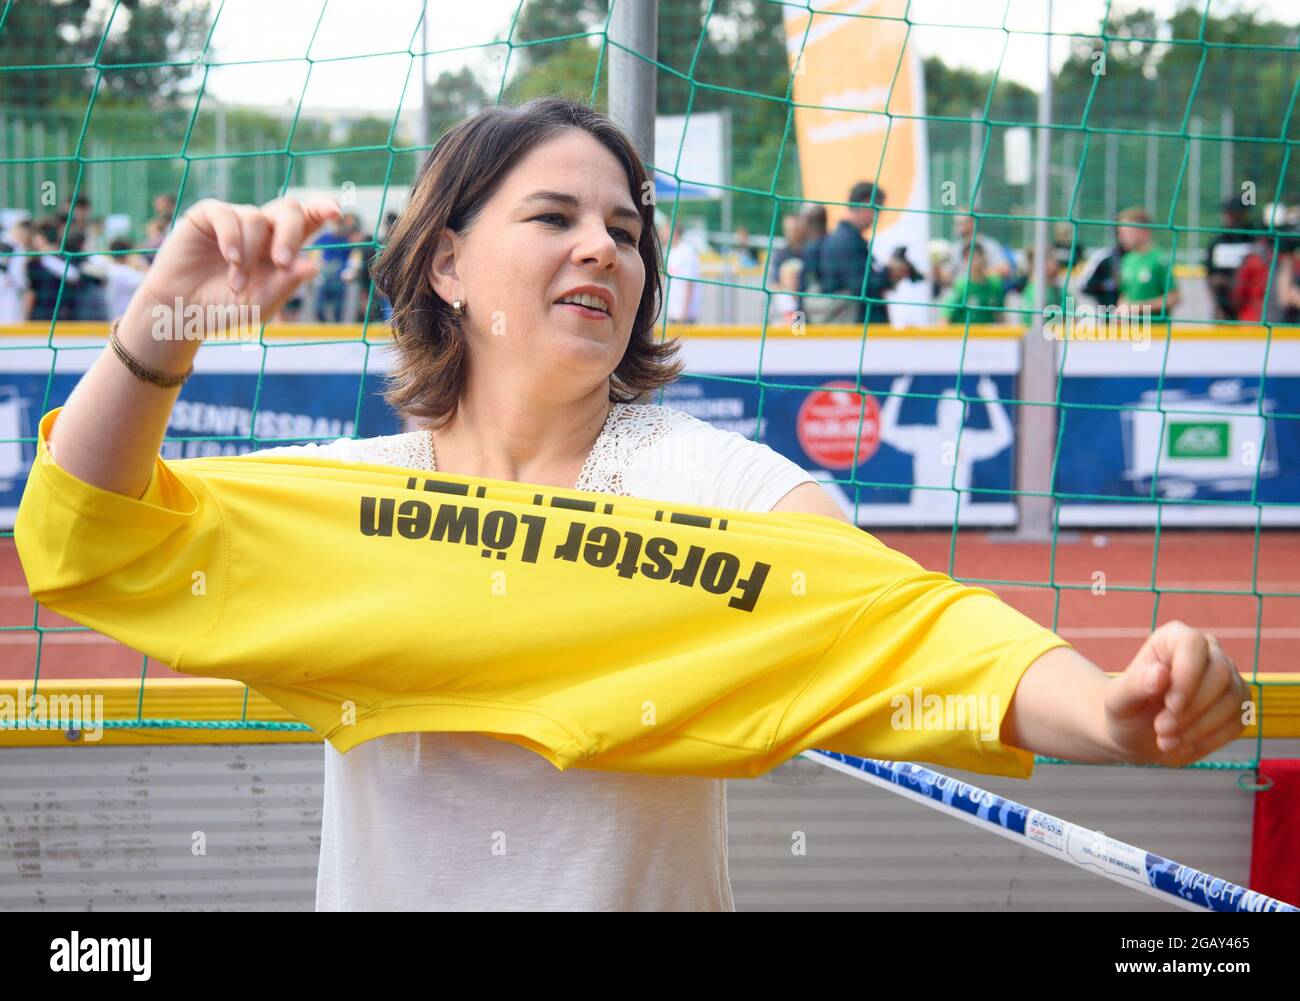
(1091, 850)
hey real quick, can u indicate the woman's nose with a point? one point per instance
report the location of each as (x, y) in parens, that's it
(596, 244)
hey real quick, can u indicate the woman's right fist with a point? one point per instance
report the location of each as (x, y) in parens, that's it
(220, 254)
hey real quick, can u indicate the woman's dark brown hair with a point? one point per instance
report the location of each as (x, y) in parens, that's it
(457, 179)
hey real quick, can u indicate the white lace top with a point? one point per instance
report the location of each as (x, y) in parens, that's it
(463, 821)
(628, 430)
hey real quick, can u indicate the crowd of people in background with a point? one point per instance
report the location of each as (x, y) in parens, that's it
(834, 277)
(60, 263)
(65, 265)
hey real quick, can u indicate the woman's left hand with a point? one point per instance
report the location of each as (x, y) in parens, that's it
(1181, 698)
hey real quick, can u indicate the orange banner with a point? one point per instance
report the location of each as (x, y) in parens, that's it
(860, 91)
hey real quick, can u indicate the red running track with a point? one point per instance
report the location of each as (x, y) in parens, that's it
(1261, 621)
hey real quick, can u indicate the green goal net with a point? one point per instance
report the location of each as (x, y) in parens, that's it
(1171, 464)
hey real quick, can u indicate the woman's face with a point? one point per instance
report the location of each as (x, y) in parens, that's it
(526, 251)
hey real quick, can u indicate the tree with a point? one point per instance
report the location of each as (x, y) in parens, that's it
(716, 55)
(553, 19)
(139, 34)
(955, 91)
(1165, 73)
(453, 97)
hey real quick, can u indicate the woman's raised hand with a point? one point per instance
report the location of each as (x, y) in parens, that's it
(220, 254)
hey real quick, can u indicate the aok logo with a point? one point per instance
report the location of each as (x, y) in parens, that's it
(1198, 440)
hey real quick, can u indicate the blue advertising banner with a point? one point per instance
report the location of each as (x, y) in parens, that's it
(213, 416)
(1199, 429)
(923, 458)
(1214, 448)
(900, 430)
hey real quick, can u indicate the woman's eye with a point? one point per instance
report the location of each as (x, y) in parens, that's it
(620, 234)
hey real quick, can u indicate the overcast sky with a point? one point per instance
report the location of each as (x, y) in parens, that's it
(357, 32)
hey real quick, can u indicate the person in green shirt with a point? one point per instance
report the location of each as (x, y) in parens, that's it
(1055, 292)
(1145, 273)
(975, 297)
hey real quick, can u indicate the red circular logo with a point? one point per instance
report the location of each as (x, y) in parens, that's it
(829, 423)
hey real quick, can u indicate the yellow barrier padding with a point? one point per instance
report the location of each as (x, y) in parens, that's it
(182, 698)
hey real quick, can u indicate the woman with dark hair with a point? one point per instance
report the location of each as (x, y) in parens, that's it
(524, 278)
(484, 229)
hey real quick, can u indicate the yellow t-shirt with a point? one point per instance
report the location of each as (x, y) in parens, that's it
(599, 631)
